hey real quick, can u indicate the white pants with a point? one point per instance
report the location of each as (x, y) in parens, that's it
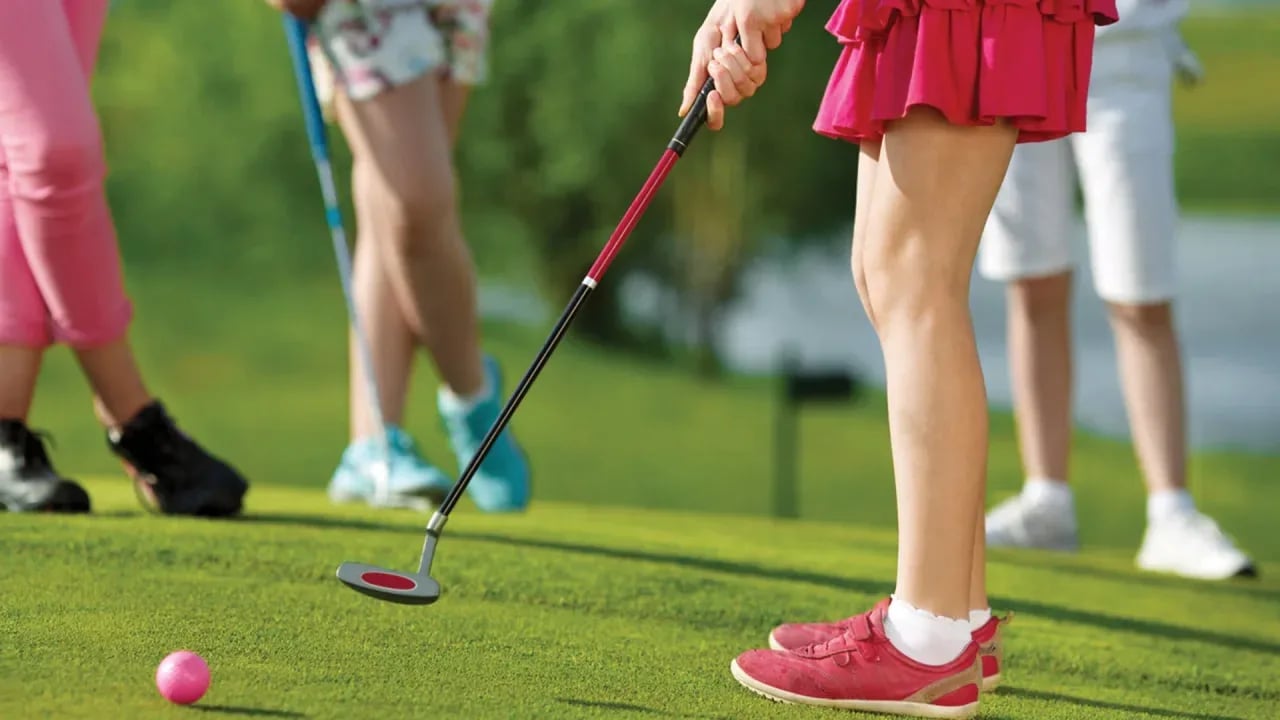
(1123, 164)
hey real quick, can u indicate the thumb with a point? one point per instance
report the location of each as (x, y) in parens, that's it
(697, 76)
(704, 41)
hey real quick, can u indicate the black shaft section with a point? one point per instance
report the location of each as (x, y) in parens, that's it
(548, 347)
(693, 120)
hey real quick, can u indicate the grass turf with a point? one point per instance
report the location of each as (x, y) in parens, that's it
(569, 611)
(1227, 137)
(257, 372)
(584, 608)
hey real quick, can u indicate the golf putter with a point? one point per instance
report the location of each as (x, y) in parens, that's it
(418, 588)
(296, 33)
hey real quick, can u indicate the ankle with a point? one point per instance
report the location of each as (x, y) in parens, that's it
(924, 637)
(462, 403)
(1169, 503)
(978, 618)
(116, 417)
(1048, 492)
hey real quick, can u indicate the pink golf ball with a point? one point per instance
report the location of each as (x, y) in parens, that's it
(183, 677)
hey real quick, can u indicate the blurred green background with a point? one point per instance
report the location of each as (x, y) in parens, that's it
(240, 322)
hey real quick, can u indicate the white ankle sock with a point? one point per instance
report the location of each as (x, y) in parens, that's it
(453, 403)
(923, 636)
(1046, 491)
(978, 618)
(1163, 504)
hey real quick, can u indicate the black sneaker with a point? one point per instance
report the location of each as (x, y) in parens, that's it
(28, 482)
(172, 473)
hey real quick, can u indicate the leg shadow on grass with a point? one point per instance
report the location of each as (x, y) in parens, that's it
(641, 709)
(1236, 586)
(861, 585)
(1103, 705)
(321, 521)
(247, 711)
(871, 587)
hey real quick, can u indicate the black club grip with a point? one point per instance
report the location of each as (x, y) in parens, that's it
(693, 120)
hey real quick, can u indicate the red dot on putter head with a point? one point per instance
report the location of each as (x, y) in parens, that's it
(388, 581)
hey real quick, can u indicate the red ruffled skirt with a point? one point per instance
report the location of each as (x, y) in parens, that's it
(975, 61)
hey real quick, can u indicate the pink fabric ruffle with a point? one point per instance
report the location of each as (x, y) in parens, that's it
(975, 61)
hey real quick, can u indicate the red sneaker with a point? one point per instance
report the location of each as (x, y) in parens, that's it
(859, 669)
(792, 636)
(991, 650)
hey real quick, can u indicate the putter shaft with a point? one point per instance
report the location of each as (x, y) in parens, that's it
(689, 126)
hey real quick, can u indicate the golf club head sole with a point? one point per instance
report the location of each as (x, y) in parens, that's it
(389, 585)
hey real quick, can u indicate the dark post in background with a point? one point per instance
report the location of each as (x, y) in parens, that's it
(799, 387)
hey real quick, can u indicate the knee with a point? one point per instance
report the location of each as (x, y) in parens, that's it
(1143, 318)
(422, 209)
(56, 166)
(1041, 298)
(907, 284)
(859, 277)
(859, 271)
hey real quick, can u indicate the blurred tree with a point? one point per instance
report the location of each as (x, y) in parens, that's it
(581, 103)
(715, 209)
(210, 170)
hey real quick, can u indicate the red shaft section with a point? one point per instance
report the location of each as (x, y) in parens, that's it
(632, 216)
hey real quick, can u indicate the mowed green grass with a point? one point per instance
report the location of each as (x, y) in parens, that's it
(1229, 126)
(257, 371)
(569, 611)
(644, 567)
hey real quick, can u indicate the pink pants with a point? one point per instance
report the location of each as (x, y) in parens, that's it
(60, 273)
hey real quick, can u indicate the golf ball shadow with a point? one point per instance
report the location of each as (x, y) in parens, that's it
(389, 585)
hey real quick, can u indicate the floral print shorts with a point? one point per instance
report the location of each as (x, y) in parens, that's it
(370, 46)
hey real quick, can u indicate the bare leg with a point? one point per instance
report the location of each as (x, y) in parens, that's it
(119, 392)
(453, 103)
(1178, 538)
(934, 188)
(868, 163)
(19, 370)
(978, 573)
(391, 342)
(1151, 377)
(406, 139)
(1041, 367)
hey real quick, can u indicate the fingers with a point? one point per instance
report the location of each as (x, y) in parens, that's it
(736, 77)
(726, 88)
(302, 9)
(773, 37)
(715, 110)
(753, 42)
(706, 40)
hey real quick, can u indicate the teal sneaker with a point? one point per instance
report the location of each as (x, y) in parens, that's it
(502, 483)
(412, 481)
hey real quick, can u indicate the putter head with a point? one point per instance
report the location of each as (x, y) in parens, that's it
(390, 585)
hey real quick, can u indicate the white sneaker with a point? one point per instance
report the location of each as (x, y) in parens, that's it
(1191, 544)
(1024, 522)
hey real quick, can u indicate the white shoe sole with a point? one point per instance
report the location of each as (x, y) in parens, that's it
(989, 684)
(407, 502)
(1224, 573)
(889, 707)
